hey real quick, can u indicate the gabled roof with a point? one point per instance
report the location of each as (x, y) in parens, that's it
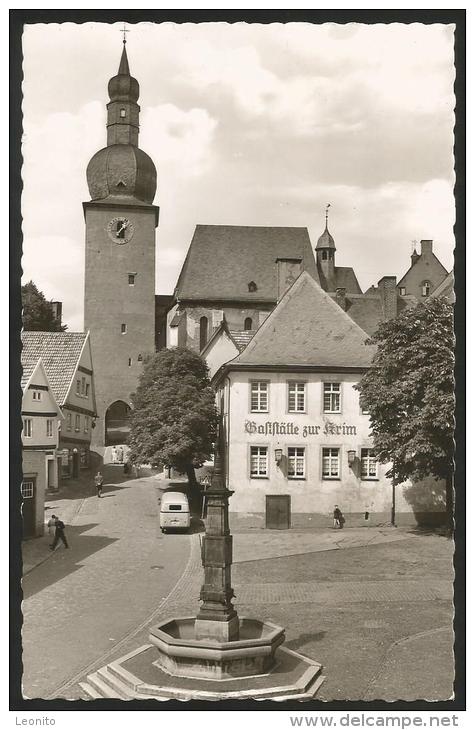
(242, 337)
(223, 260)
(307, 328)
(59, 352)
(33, 379)
(344, 277)
(445, 288)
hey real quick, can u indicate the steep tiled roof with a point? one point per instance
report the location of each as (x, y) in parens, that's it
(242, 337)
(59, 352)
(307, 328)
(223, 260)
(445, 288)
(345, 277)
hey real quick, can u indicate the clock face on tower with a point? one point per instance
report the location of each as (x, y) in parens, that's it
(120, 230)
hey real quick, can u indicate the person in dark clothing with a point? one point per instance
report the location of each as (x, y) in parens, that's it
(99, 481)
(338, 519)
(59, 533)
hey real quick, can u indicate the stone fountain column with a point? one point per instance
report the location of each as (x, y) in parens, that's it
(217, 618)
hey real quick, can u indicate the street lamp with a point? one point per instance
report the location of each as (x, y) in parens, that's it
(351, 456)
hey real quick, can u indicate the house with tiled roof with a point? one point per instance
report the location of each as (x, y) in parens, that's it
(41, 416)
(67, 360)
(224, 345)
(296, 439)
(236, 272)
(425, 274)
(445, 289)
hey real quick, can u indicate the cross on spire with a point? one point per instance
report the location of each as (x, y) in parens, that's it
(326, 215)
(124, 30)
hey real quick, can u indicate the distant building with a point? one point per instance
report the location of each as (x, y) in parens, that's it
(425, 274)
(297, 441)
(67, 360)
(445, 289)
(41, 416)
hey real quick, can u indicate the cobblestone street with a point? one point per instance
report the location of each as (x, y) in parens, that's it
(374, 606)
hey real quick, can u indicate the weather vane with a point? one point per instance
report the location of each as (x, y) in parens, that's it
(326, 213)
(124, 31)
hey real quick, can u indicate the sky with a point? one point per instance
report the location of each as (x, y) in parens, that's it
(247, 124)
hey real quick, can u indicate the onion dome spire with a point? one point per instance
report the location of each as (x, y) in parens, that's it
(326, 239)
(122, 169)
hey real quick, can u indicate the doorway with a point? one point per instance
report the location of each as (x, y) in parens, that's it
(278, 511)
(28, 508)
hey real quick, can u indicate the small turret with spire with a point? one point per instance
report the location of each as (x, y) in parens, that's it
(123, 110)
(325, 255)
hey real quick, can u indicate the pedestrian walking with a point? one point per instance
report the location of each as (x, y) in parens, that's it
(59, 533)
(99, 481)
(120, 454)
(114, 455)
(338, 519)
(51, 526)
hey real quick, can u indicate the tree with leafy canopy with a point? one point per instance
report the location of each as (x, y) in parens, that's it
(174, 418)
(409, 393)
(37, 314)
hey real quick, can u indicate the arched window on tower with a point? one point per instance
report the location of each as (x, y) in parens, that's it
(248, 323)
(203, 332)
(324, 255)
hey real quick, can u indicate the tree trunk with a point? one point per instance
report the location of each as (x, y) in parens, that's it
(190, 473)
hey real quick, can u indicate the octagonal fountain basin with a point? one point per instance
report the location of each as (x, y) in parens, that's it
(181, 654)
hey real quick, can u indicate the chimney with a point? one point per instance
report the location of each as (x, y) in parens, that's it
(57, 309)
(341, 297)
(426, 247)
(388, 294)
(288, 270)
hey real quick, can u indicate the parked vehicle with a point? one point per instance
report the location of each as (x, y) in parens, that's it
(174, 512)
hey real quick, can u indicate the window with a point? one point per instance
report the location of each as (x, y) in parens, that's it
(83, 386)
(369, 465)
(87, 390)
(332, 397)
(122, 113)
(259, 461)
(130, 362)
(77, 422)
(425, 288)
(69, 421)
(324, 255)
(331, 463)
(252, 286)
(27, 490)
(37, 395)
(248, 323)
(123, 329)
(259, 396)
(140, 358)
(364, 411)
(296, 397)
(203, 332)
(49, 427)
(86, 424)
(27, 428)
(296, 462)
(402, 291)
(132, 279)
(78, 387)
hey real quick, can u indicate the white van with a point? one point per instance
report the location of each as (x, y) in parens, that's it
(174, 511)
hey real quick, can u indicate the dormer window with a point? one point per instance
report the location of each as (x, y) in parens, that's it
(252, 286)
(122, 113)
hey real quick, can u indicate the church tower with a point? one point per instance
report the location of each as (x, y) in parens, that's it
(325, 257)
(119, 306)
